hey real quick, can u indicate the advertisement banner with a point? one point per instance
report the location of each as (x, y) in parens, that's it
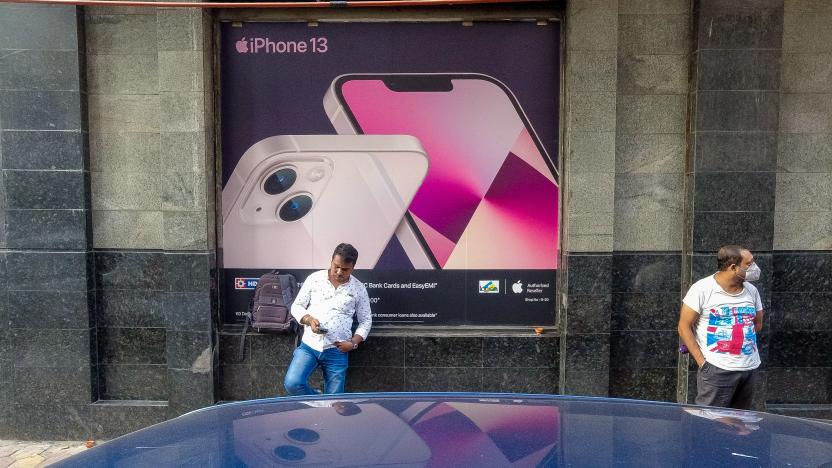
(430, 147)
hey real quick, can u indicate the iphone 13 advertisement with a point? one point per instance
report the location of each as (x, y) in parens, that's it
(431, 147)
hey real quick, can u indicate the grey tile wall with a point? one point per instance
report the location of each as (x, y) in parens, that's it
(644, 276)
(6, 363)
(651, 105)
(51, 421)
(133, 382)
(734, 130)
(799, 363)
(112, 419)
(803, 212)
(740, 25)
(42, 149)
(594, 32)
(735, 152)
(713, 229)
(589, 141)
(736, 96)
(644, 340)
(131, 332)
(589, 313)
(152, 170)
(41, 131)
(154, 315)
(121, 327)
(585, 345)
(400, 363)
(49, 355)
(189, 390)
(651, 383)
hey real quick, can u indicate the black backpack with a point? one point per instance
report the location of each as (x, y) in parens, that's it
(270, 307)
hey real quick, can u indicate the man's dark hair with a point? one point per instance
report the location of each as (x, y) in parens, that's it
(729, 255)
(347, 252)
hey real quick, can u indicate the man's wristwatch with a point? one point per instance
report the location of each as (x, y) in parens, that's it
(354, 345)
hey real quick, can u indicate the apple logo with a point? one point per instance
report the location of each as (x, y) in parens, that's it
(517, 287)
(242, 46)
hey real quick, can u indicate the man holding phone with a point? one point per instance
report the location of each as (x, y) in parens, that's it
(325, 305)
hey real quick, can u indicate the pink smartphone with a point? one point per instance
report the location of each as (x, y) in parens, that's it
(321, 436)
(292, 198)
(490, 197)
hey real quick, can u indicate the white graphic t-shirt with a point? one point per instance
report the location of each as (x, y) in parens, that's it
(725, 330)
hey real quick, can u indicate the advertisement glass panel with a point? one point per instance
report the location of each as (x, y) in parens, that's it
(431, 147)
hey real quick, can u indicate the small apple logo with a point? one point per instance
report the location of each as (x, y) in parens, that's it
(517, 287)
(242, 46)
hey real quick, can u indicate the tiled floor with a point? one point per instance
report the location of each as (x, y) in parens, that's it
(28, 454)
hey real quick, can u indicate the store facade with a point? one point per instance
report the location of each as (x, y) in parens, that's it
(633, 139)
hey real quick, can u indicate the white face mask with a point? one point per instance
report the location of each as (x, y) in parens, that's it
(752, 273)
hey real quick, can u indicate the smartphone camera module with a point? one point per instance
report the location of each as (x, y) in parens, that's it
(295, 208)
(303, 435)
(289, 453)
(280, 181)
(316, 173)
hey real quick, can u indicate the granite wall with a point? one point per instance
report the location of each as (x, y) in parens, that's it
(48, 348)
(653, 57)
(97, 342)
(720, 136)
(412, 363)
(588, 161)
(627, 68)
(799, 365)
(735, 103)
(686, 124)
(149, 83)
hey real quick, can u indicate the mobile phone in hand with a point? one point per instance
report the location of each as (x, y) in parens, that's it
(322, 330)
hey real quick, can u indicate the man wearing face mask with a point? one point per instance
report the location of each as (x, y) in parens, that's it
(719, 321)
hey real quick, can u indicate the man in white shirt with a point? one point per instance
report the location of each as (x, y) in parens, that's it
(325, 306)
(719, 321)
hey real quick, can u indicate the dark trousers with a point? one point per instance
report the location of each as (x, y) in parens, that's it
(728, 389)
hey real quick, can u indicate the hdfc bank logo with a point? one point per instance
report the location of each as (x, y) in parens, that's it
(245, 283)
(255, 45)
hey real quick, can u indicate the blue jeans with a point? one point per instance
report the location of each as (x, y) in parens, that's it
(305, 360)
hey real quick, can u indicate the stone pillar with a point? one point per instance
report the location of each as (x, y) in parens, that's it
(153, 211)
(730, 176)
(653, 58)
(799, 364)
(49, 374)
(589, 170)
(99, 343)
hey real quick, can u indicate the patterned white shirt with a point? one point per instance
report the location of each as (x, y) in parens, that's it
(334, 308)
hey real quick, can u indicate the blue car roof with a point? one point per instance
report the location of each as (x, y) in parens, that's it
(466, 429)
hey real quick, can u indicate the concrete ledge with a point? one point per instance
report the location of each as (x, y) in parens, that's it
(444, 331)
(816, 411)
(130, 403)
